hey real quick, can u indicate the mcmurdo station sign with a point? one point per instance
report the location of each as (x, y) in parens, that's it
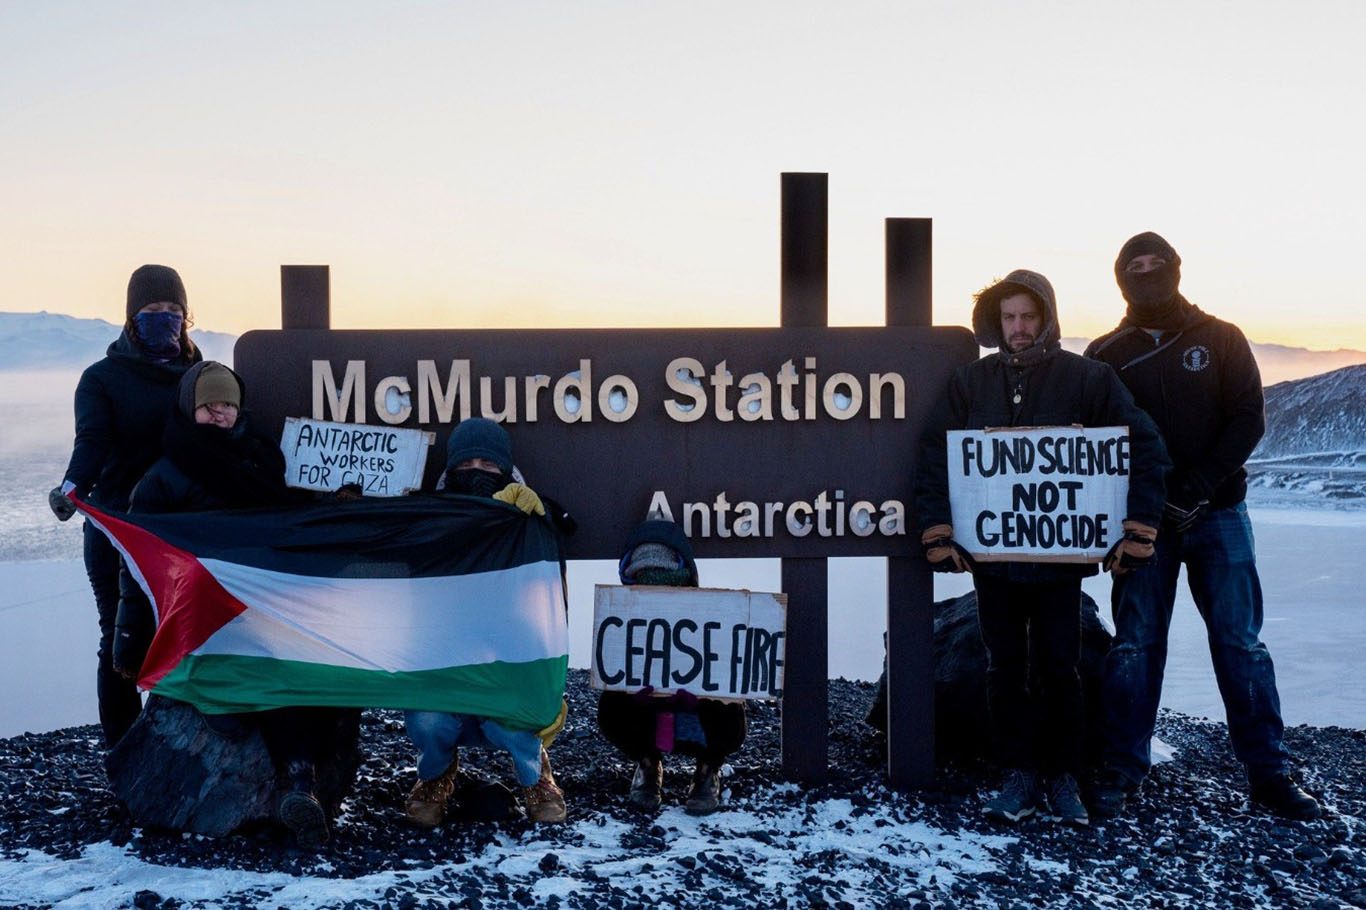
(798, 441)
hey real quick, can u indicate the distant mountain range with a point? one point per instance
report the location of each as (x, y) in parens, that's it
(41, 341)
(1276, 362)
(30, 341)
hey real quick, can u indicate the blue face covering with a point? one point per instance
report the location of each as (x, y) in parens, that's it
(159, 333)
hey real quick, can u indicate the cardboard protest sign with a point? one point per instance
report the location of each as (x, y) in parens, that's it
(711, 642)
(385, 461)
(1039, 494)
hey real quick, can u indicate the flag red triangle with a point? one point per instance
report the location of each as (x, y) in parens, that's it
(191, 604)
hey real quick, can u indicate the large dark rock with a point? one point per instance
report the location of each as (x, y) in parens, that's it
(962, 728)
(178, 769)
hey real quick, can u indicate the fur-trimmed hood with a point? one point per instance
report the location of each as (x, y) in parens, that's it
(986, 316)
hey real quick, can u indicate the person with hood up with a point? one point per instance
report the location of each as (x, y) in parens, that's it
(1030, 613)
(122, 403)
(1196, 376)
(215, 459)
(479, 463)
(643, 725)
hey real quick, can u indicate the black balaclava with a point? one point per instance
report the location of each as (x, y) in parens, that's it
(161, 335)
(1154, 302)
(478, 438)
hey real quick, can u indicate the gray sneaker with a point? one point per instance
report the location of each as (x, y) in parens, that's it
(1064, 798)
(1018, 799)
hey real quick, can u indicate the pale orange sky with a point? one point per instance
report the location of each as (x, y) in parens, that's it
(614, 164)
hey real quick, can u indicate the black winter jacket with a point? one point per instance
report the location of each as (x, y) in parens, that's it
(1056, 388)
(122, 403)
(1062, 389)
(1202, 388)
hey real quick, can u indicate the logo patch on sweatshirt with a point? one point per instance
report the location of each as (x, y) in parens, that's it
(1196, 358)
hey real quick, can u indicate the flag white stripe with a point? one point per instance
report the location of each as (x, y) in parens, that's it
(394, 624)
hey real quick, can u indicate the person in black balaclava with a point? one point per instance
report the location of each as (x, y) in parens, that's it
(479, 463)
(1151, 292)
(644, 725)
(1196, 377)
(122, 404)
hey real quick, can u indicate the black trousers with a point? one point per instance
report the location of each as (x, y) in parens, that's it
(119, 701)
(299, 739)
(629, 724)
(1032, 633)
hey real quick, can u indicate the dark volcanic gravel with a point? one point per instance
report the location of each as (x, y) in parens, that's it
(1191, 840)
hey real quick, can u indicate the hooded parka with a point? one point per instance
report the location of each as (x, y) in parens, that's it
(1042, 385)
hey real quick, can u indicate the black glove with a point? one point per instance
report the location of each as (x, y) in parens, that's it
(60, 504)
(1177, 518)
(1184, 507)
(347, 492)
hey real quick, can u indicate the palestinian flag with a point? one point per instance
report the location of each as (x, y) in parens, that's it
(438, 603)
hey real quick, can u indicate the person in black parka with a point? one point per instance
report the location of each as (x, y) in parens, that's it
(215, 459)
(122, 403)
(1196, 376)
(1030, 612)
(643, 725)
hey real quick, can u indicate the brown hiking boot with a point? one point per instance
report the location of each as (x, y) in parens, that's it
(545, 800)
(426, 804)
(647, 785)
(704, 796)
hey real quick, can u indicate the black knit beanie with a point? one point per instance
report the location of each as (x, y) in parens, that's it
(154, 284)
(478, 437)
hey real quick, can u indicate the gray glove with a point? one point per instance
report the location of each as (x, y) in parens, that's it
(60, 504)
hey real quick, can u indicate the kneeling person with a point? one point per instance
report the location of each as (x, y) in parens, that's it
(646, 726)
(479, 463)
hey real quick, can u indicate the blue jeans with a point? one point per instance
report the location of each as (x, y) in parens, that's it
(1222, 571)
(438, 735)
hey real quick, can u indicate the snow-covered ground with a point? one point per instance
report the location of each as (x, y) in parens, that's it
(917, 851)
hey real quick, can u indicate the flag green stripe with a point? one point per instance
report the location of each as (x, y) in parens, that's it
(523, 695)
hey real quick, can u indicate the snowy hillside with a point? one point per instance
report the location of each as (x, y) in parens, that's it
(33, 341)
(1315, 440)
(1324, 413)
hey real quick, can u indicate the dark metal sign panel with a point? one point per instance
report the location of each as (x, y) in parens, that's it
(774, 442)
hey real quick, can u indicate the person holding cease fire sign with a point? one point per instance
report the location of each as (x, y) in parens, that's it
(1029, 609)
